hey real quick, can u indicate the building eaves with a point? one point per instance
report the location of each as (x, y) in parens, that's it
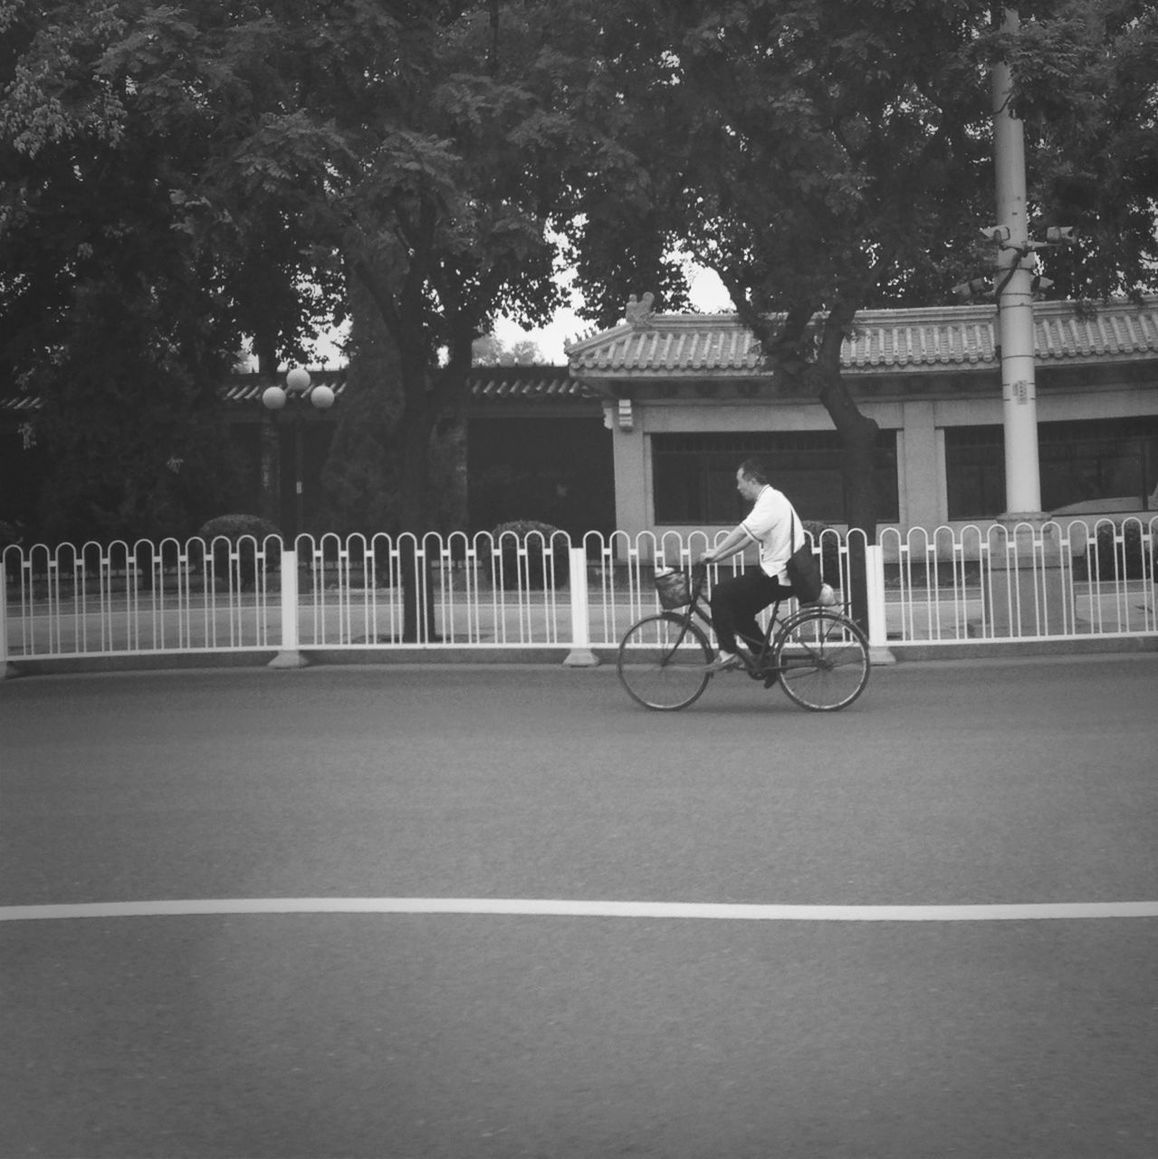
(883, 341)
(521, 383)
(485, 385)
(526, 384)
(20, 403)
(246, 388)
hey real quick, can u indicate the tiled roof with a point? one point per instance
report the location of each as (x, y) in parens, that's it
(527, 382)
(250, 387)
(20, 403)
(486, 383)
(885, 340)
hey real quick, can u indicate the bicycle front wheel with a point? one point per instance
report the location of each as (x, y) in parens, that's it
(823, 660)
(663, 662)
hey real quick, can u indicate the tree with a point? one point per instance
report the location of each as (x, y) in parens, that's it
(814, 155)
(428, 168)
(823, 157)
(361, 477)
(1086, 85)
(435, 179)
(490, 351)
(120, 312)
(102, 304)
(412, 150)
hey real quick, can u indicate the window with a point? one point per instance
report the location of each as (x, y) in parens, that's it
(1106, 464)
(975, 471)
(1092, 464)
(695, 474)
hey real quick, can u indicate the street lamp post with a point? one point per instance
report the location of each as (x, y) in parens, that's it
(274, 399)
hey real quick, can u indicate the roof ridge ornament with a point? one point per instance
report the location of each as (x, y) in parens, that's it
(638, 312)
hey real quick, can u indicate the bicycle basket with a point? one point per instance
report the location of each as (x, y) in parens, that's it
(673, 589)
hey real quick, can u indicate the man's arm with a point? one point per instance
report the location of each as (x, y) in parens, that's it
(736, 540)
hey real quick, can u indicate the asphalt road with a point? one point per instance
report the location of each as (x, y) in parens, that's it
(311, 1035)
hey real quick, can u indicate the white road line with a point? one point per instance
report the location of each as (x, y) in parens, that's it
(533, 907)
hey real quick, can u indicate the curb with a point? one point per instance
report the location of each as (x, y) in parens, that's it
(552, 656)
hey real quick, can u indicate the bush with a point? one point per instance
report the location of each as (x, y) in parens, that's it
(246, 533)
(537, 539)
(1107, 560)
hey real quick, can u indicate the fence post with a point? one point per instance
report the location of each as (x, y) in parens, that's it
(289, 656)
(580, 655)
(878, 636)
(6, 669)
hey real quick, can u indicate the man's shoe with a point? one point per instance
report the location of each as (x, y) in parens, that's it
(725, 662)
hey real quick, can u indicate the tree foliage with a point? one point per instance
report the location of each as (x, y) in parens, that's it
(819, 156)
(1086, 85)
(177, 176)
(119, 313)
(416, 150)
(492, 351)
(823, 157)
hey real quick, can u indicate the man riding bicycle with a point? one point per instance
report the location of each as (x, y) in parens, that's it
(774, 525)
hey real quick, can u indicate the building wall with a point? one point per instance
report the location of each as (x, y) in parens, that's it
(921, 415)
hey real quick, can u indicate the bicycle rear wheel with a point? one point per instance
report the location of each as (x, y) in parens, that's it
(823, 660)
(662, 662)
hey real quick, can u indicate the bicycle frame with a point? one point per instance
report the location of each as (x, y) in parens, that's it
(699, 577)
(817, 670)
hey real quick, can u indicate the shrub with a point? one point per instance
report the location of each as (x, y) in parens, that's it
(1107, 560)
(246, 533)
(537, 539)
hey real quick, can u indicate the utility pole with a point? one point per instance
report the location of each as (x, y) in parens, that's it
(1027, 595)
(1014, 284)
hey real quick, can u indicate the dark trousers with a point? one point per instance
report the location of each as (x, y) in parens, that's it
(735, 603)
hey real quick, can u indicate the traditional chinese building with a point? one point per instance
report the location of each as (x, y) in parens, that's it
(646, 425)
(688, 399)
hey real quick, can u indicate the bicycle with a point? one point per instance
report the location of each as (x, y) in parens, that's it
(817, 655)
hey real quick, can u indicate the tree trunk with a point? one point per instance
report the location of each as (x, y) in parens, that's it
(790, 349)
(270, 482)
(395, 313)
(412, 441)
(269, 439)
(858, 434)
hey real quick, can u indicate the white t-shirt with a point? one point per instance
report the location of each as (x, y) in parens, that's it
(769, 524)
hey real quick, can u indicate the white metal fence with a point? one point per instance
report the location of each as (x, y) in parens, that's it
(1064, 579)
(995, 582)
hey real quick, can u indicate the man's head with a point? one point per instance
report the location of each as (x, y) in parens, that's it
(751, 478)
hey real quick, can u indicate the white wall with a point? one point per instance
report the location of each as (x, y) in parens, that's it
(920, 423)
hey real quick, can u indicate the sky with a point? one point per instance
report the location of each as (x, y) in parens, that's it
(707, 293)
